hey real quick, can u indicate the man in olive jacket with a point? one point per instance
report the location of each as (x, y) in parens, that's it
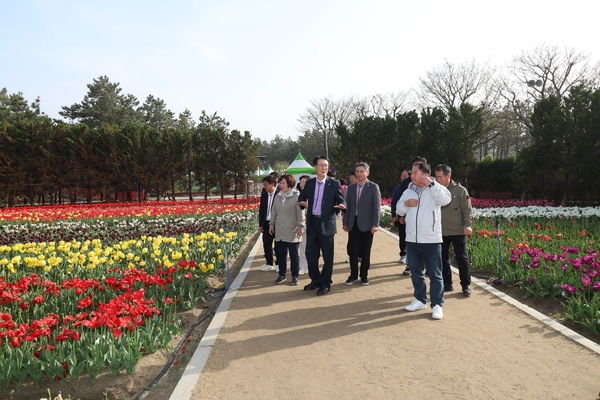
(456, 226)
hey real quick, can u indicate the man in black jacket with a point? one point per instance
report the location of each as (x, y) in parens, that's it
(264, 216)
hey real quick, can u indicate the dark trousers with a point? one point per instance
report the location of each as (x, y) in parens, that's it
(402, 236)
(282, 251)
(317, 243)
(359, 245)
(268, 241)
(348, 244)
(459, 243)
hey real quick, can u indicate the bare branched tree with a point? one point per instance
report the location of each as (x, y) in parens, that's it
(361, 107)
(544, 71)
(449, 85)
(390, 104)
(323, 116)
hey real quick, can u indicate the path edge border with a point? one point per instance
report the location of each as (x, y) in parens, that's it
(192, 372)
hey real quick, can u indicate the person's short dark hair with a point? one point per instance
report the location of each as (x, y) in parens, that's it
(270, 179)
(289, 179)
(342, 181)
(444, 168)
(419, 159)
(362, 164)
(275, 174)
(331, 173)
(317, 158)
(423, 167)
(352, 174)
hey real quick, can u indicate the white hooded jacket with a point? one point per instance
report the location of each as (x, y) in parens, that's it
(424, 222)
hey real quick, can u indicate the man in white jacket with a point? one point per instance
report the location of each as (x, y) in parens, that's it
(421, 206)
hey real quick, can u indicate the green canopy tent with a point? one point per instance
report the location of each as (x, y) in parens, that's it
(266, 173)
(300, 167)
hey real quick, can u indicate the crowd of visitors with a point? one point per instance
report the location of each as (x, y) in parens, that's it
(432, 214)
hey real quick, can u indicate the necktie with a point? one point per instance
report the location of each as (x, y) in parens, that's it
(269, 205)
(319, 190)
(358, 198)
(318, 199)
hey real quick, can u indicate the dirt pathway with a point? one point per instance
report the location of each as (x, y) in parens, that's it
(279, 341)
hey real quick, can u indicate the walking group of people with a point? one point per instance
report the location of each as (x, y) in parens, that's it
(431, 215)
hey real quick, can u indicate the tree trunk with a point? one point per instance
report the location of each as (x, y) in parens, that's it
(30, 192)
(11, 199)
(191, 197)
(173, 188)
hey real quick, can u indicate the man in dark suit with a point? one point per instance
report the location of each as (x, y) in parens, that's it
(361, 221)
(322, 197)
(264, 216)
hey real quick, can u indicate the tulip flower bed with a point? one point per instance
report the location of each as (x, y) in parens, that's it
(548, 251)
(116, 229)
(86, 296)
(112, 210)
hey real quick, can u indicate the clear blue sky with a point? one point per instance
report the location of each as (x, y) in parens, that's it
(259, 63)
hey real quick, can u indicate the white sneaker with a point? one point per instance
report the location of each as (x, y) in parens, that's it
(402, 260)
(416, 305)
(437, 312)
(267, 267)
(302, 271)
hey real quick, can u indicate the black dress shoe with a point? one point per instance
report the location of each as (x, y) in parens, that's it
(448, 288)
(323, 291)
(466, 290)
(311, 286)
